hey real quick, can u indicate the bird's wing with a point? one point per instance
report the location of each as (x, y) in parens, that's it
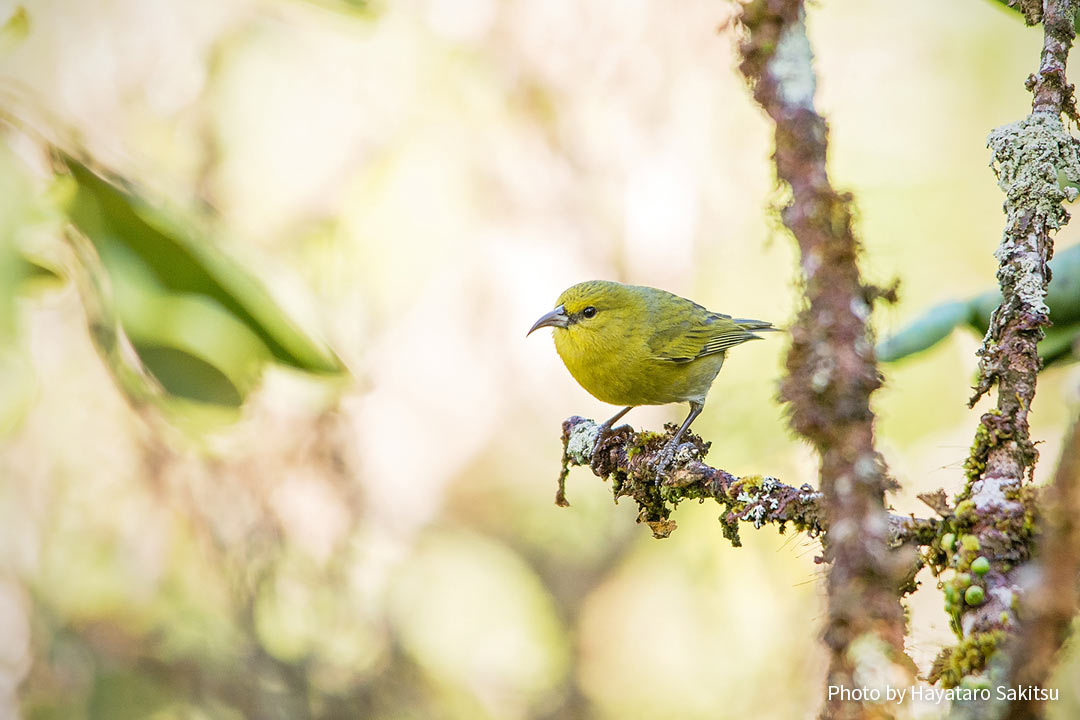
(696, 332)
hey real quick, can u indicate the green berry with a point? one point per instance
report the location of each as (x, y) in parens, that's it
(962, 580)
(980, 565)
(947, 542)
(974, 595)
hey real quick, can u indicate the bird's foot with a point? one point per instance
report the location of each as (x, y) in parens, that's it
(664, 459)
(596, 460)
(677, 452)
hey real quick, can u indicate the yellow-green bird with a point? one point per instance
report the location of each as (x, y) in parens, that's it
(634, 345)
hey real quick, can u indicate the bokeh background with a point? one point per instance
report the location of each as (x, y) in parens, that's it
(415, 182)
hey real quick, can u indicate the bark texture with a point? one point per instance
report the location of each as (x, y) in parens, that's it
(995, 520)
(831, 369)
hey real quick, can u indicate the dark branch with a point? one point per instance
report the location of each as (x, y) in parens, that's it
(831, 367)
(1052, 91)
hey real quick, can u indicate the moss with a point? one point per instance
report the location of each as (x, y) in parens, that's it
(1028, 526)
(748, 481)
(980, 450)
(676, 495)
(965, 515)
(991, 432)
(969, 657)
(653, 509)
(730, 528)
(618, 480)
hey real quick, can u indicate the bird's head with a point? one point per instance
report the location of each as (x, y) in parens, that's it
(589, 306)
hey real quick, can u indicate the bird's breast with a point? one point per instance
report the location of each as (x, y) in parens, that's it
(630, 374)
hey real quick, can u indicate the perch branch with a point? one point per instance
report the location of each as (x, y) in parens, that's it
(831, 366)
(630, 458)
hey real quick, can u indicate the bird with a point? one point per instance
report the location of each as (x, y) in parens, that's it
(635, 345)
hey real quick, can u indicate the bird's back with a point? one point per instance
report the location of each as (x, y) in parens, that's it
(683, 331)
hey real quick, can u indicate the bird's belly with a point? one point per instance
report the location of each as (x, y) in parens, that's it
(644, 381)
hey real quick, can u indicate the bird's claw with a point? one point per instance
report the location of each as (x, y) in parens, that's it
(602, 434)
(594, 460)
(597, 452)
(664, 460)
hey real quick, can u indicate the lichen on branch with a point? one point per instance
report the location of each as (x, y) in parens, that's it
(628, 459)
(996, 514)
(1028, 156)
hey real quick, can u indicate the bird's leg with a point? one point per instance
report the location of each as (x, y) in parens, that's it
(603, 431)
(606, 427)
(695, 410)
(668, 453)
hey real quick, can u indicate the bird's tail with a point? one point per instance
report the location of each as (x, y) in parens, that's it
(751, 325)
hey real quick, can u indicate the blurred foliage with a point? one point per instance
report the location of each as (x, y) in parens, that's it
(359, 8)
(22, 273)
(1059, 345)
(202, 325)
(14, 28)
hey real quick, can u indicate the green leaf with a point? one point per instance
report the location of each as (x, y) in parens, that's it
(1063, 295)
(200, 322)
(1062, 298)
(926, 331)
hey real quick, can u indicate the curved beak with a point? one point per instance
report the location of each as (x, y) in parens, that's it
(555, 318)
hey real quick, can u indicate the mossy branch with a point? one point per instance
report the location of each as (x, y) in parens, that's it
(832, 372)
(628, 459)
(996, 518)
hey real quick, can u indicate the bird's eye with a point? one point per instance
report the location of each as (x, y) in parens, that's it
(589, 311)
